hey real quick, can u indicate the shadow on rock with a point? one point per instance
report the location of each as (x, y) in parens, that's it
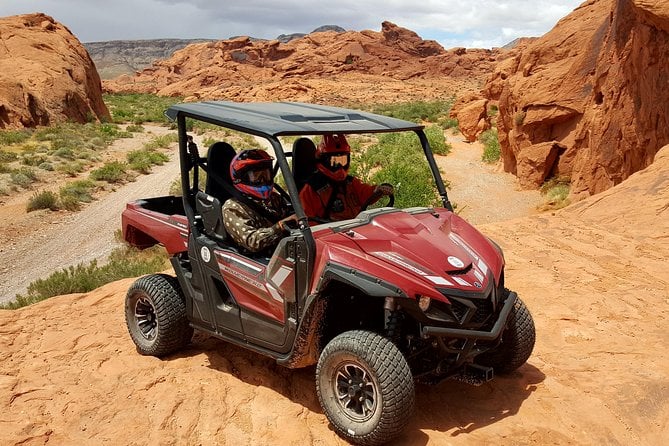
(459, 408)
(252, 368)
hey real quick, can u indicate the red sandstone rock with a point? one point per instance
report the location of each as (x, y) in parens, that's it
(46, 75)
(597, 84)
(394, 60)
(471, 111)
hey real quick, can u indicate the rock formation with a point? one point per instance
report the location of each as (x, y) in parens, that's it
(243, 69)
(588, 100)
(117, 57)
(46, 75)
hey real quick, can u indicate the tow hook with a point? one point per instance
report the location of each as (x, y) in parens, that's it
(474, 374)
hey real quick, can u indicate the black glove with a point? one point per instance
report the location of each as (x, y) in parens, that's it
(384, 189)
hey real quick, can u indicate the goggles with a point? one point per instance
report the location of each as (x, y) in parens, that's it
(259, 177)
(337, 160)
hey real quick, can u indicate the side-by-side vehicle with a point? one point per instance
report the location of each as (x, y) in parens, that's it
(377, 302)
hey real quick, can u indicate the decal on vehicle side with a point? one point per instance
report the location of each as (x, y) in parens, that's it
(205, 254)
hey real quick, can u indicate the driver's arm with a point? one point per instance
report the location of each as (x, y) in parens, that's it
(249, 230)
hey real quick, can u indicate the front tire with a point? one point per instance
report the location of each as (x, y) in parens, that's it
(365, 387)
(155, 313)
(517, 342)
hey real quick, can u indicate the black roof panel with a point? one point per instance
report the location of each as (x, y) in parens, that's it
(289, 118)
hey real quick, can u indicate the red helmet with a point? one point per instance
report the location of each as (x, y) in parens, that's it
(251, 173)
(334, 156)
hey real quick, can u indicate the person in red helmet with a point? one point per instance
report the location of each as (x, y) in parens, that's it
(259, 220)
(331, 193)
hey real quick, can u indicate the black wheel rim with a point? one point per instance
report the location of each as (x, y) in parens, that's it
(145, 314)
(356, 391)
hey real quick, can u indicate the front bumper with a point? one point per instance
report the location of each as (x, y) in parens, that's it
(479, 335)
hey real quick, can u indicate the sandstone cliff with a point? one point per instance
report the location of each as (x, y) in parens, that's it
(46, 75)
(589, 99)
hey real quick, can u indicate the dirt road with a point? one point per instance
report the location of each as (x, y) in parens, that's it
(42, 242)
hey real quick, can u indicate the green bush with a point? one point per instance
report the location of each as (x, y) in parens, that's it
(138, 108)
(43, 200)
(46, 166)
(33, 160)
(161, 142)
(556, 193)
(398, 159)
(142, 160)
(113, 172)
(71, 169)
(437, 140)
(7, 157)
(80, 190)
(8, 137)
(123, 263)
(491, 147)
(23, 177)
(418, 111)
(134, 128)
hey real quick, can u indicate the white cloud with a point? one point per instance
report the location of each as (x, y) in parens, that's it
(470, 23)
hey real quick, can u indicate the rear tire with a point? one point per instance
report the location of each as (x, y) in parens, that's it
(365, 387)
(155, 313)
(517, 342)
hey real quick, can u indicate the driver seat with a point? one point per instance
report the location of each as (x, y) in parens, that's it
(304, 161)
(209, 203)
(219, 157)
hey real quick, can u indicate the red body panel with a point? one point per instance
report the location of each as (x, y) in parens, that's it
(143, 228)
(417, 252)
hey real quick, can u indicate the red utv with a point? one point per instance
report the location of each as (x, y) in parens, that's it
(376, 302)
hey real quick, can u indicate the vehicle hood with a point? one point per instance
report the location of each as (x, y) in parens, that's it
(434, 245)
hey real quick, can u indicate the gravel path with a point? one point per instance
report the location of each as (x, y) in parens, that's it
(483, 193)
(72, 238)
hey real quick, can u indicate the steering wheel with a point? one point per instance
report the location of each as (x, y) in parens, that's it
(374, 198)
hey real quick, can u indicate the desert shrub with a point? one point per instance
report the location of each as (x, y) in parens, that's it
(46, 166)
(556, 193)
(161, 142)
(7, 157)
(80, 190)
(23, 177)
(123, 262)
(4, 168)
(33, 160)
(142, 160)
(43, 200)
(519, 118)
(113, 172)
(398, 159)
(138, 108)
(437, 140)
(71, 169)
(8, 137)
(448, 123)
(65, 153)
(491, 147)
(134, 128)
(418, 111)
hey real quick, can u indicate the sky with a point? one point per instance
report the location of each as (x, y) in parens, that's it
(452, 23)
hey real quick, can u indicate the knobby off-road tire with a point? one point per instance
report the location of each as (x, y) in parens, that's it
(517, 342)
(155, 313)
(365, 387)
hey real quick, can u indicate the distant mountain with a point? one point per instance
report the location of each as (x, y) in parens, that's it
(117, 57)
